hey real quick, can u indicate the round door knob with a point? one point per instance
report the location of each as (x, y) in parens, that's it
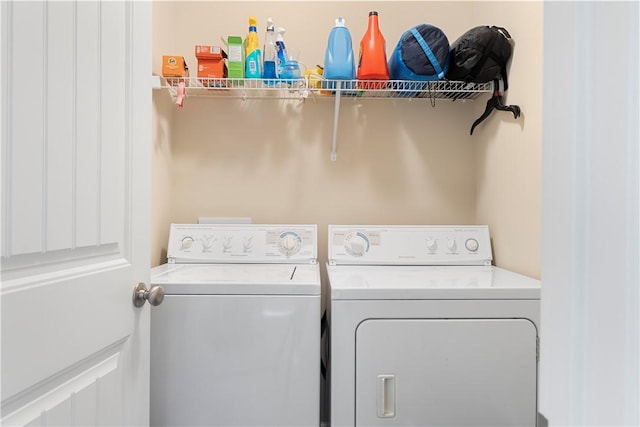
(155, 295)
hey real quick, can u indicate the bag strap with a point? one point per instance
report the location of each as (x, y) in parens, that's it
(425, 48)
(503, 69)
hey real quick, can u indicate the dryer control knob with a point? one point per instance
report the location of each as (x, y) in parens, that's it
(356, 244)
(471, 245)
(432, 244)
(186, 243)
(452, 245)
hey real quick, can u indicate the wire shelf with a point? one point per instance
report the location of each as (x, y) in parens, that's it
(300, 89)
(238, 88)
(405, 89)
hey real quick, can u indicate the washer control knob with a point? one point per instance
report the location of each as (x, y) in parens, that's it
(432, 244)
(471, 244)
(356, 244)
(290, 243)
(226, 243)
(207, 243)
(452, 245)
(247, 243)
(186, 243)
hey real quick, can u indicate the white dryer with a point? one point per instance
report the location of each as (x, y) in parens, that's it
(236, 341)
(425, 332)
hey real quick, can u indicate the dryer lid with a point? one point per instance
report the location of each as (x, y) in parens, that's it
(429, 283)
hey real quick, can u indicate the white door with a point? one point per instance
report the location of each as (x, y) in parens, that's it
(76, 118)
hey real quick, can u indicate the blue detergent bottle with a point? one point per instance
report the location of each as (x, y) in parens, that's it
(339, 63)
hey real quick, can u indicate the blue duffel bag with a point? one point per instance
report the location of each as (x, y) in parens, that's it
(422, 53)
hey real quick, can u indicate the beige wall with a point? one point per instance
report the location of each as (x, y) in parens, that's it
(399, 161)
(508, 152)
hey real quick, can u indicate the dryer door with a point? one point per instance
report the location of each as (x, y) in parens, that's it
(446, 372)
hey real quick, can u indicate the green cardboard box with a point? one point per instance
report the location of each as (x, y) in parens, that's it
(235, 64)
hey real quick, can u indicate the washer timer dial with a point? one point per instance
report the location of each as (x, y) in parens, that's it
(289, 243)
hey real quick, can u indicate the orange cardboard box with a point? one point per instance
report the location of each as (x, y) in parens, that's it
(174, 66)
(211, 63)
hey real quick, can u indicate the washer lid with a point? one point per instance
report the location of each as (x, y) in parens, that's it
(429, 282)
(237, 279)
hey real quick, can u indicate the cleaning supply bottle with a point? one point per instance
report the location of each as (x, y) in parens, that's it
(269, 70)
(252, 60)
(339, 63)
(372, 63)
(281, 50)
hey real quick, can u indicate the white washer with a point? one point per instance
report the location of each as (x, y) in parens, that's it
(236, 341)
(425, 332)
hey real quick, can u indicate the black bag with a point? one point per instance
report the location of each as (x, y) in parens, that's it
(480, 55)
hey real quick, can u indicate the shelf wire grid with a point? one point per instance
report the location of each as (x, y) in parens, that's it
(301, 88)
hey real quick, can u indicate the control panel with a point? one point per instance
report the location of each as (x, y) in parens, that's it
(242, 243)
(409, 245)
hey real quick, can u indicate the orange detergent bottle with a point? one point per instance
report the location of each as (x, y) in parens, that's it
(372, 64)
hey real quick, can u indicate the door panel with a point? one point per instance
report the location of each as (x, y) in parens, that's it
(455, 372)
(75, 212)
